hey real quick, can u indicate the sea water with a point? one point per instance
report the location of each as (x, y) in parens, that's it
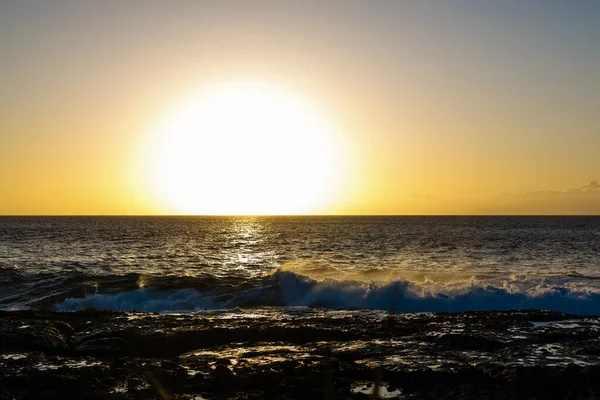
(403, 264)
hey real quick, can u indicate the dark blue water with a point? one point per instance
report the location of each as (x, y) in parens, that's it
(409, 264)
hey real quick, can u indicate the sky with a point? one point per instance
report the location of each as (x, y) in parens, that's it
(447, 107)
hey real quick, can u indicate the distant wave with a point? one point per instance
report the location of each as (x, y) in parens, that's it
(287, 288)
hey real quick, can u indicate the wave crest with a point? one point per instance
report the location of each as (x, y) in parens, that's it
(287, 288)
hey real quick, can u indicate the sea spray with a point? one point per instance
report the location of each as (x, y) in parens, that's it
(286, 288)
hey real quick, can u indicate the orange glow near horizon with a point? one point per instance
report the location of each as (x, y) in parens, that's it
(262, 107)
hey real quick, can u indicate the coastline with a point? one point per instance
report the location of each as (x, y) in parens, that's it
(295, 353)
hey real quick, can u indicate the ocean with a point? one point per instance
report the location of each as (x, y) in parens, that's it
(402, 264)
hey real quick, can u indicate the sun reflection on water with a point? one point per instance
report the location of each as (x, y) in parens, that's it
(245, 250)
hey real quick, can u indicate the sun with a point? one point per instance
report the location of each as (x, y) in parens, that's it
(244, 149)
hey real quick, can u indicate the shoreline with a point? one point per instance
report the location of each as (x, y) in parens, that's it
(296, 353)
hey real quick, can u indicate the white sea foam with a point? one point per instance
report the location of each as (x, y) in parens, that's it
(556, 293)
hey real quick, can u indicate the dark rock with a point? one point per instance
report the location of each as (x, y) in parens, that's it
(65, 329)
(310, 353)
(222, 376)
(31, 336)
(101, 346)
(469, 342)
(172, 365)
(196, 381)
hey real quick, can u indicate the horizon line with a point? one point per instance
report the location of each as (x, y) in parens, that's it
(295, 215)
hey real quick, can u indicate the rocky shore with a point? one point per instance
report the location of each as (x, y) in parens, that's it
(298, 353)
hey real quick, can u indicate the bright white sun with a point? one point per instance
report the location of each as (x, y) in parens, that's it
(244, 149)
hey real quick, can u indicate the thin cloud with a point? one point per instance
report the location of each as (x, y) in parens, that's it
(583, 200)
(592, 187)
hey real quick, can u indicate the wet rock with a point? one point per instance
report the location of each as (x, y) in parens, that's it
(469, 342)
(295, 354)
(196, 382)
(168, 380)
(101, 346)
(169, 365)
(65, 329)
(31, 336)
(222, 376)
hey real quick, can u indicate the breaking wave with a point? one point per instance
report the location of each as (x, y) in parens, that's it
(572, 294)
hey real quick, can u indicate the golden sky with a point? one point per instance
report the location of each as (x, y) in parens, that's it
(442, 107)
